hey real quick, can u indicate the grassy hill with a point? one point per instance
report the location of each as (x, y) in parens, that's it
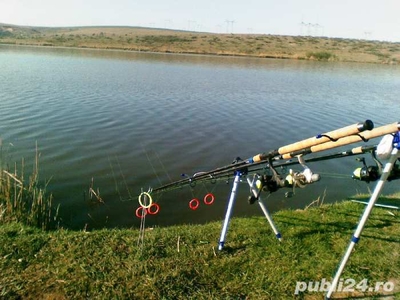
(173, 41)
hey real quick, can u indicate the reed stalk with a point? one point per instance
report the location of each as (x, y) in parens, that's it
(25, 202)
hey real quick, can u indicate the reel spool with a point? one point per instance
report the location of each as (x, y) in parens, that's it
(372, 173)
(367, 173)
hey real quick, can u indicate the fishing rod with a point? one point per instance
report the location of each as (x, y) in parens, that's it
(351, 152)
(274, 182)
(239, 165)
(260, 166)
(300, 179)
(268, 181)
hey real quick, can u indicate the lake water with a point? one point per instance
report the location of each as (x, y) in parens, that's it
(129, 121)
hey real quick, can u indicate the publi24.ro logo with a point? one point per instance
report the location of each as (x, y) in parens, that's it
(344, 285)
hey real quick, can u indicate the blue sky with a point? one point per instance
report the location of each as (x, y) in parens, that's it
(336, 18)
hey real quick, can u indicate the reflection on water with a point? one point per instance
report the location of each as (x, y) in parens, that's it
(130, 120)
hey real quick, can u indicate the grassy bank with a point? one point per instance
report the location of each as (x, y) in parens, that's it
(182, 262)
(173, 41)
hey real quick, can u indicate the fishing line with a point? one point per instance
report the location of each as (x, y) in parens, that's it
(115, 179)
(163, 167)
(123, 177)
(209, 198)
(213, 181)
(151, 164)
(194, 203)
(335, 175)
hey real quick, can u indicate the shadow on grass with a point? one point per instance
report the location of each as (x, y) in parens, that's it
(384, 200)
(309, 225)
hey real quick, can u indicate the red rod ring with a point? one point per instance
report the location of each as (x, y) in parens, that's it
(194, 203)
(140, 214)
(211, 201)
(153, 212)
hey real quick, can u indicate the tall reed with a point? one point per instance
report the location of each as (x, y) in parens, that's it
(25, 200)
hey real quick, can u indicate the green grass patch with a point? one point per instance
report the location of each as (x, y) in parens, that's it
(182, 262)
(164, 39)
(322, 56)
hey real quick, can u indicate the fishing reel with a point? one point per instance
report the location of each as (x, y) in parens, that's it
(373, 173)
(273, 181)
(300, 179)
(367, 173)
(383, 150)
(270, 182)
(266, 183)
(395, 174)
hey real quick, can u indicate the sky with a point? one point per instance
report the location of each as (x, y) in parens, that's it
(360, 19)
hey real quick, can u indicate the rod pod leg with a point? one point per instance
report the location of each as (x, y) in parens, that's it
(255, 191)
(355, 238)
(231, 202)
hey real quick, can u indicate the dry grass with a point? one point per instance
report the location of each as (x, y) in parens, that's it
(22, 200)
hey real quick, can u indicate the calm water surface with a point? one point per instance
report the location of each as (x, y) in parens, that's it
(128, 121)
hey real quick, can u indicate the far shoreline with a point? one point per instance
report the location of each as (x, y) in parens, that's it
(164, 41)
(152, 51)
(187, 53)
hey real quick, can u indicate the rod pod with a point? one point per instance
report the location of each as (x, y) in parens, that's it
(231, 202)
(256, 193)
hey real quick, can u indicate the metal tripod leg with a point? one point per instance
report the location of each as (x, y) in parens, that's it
(367, 211)
(255, 192)
(231, 202)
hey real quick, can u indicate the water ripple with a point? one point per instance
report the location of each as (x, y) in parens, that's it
(127, 123)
